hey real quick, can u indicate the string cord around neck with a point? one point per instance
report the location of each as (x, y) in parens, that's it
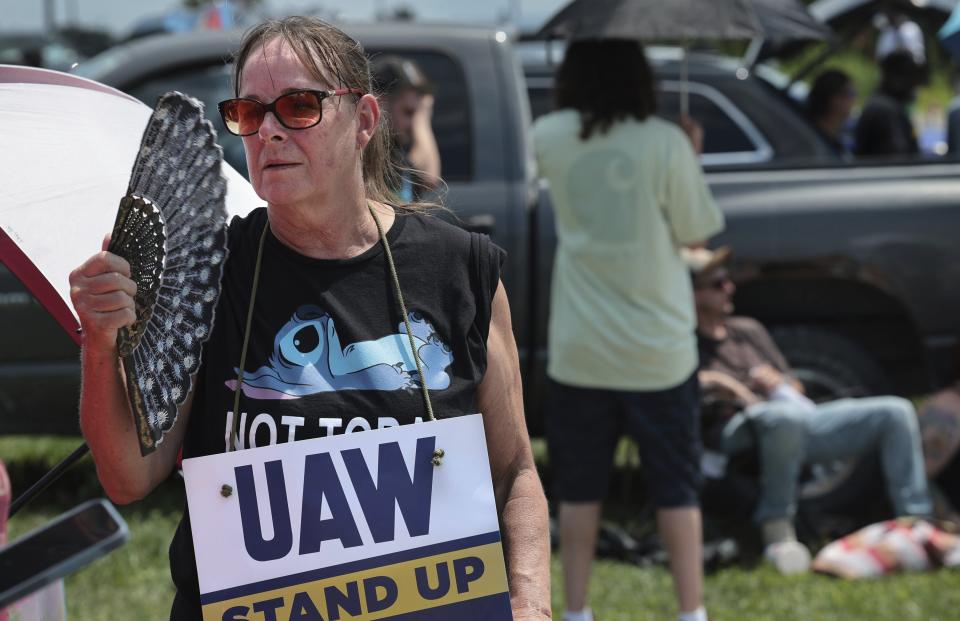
(395, 281)
(403, 310)
(235, 435)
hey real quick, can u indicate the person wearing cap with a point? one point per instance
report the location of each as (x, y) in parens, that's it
(742, 366)
(407, 98)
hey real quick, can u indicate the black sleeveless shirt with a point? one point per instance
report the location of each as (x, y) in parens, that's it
(329, 352)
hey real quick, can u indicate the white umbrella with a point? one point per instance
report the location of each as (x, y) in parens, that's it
(67, 147)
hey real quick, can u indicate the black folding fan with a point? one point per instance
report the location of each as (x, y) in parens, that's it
(171, 229)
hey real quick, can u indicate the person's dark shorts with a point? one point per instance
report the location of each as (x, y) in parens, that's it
(585, 424)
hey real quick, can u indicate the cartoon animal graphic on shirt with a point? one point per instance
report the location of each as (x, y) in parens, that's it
(309, 358)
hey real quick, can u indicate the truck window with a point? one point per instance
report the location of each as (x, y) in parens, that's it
(729, 136)
(451, 109)
(721, 134)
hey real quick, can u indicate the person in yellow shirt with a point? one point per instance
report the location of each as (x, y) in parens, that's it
(628, 193)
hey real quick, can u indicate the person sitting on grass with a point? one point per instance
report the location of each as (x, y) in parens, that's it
(740, 364)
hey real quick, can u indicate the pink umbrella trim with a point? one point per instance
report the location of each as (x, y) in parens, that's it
(31, 277)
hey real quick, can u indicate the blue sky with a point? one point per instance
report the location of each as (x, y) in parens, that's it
(118, 16)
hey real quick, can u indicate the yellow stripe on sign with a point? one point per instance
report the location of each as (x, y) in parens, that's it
(377, 593)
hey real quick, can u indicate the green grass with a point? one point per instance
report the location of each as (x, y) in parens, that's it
(130, 583)
(625, 593)
(134, 582)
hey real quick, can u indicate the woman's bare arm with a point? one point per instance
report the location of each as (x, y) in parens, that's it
(520, 500)
(102, 295)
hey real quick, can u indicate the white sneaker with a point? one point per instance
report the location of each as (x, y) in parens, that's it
(789, 557)
(582, 615)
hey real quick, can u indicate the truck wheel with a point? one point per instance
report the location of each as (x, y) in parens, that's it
(831, 367)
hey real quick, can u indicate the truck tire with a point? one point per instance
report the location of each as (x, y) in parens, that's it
(831, 367)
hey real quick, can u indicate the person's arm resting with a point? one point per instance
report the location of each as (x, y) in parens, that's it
(727, 385)
(768, 350)
(520, 501)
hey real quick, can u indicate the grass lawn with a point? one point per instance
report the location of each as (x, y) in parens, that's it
(134, 582)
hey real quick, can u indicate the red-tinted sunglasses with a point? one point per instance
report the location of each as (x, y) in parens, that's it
(295, 110)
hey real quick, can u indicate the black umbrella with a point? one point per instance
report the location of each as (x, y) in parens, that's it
(772, 20)
(787, 25)
(785, 21)
(654, 19)
(758, 20)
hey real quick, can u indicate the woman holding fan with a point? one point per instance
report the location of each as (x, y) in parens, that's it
(326, 268)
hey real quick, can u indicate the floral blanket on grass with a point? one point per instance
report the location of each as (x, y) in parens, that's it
(909, 544)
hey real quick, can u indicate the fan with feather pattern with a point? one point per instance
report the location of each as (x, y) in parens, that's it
(171, 229)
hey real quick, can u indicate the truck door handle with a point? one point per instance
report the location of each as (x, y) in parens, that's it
(480, 223)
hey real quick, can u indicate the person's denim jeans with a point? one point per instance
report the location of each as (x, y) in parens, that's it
(790, 435)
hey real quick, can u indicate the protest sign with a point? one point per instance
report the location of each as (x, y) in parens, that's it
(354, 526)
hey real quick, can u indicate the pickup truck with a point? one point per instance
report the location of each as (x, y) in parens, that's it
(851, 265)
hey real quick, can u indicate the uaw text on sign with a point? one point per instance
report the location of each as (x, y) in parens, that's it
(356, 526)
